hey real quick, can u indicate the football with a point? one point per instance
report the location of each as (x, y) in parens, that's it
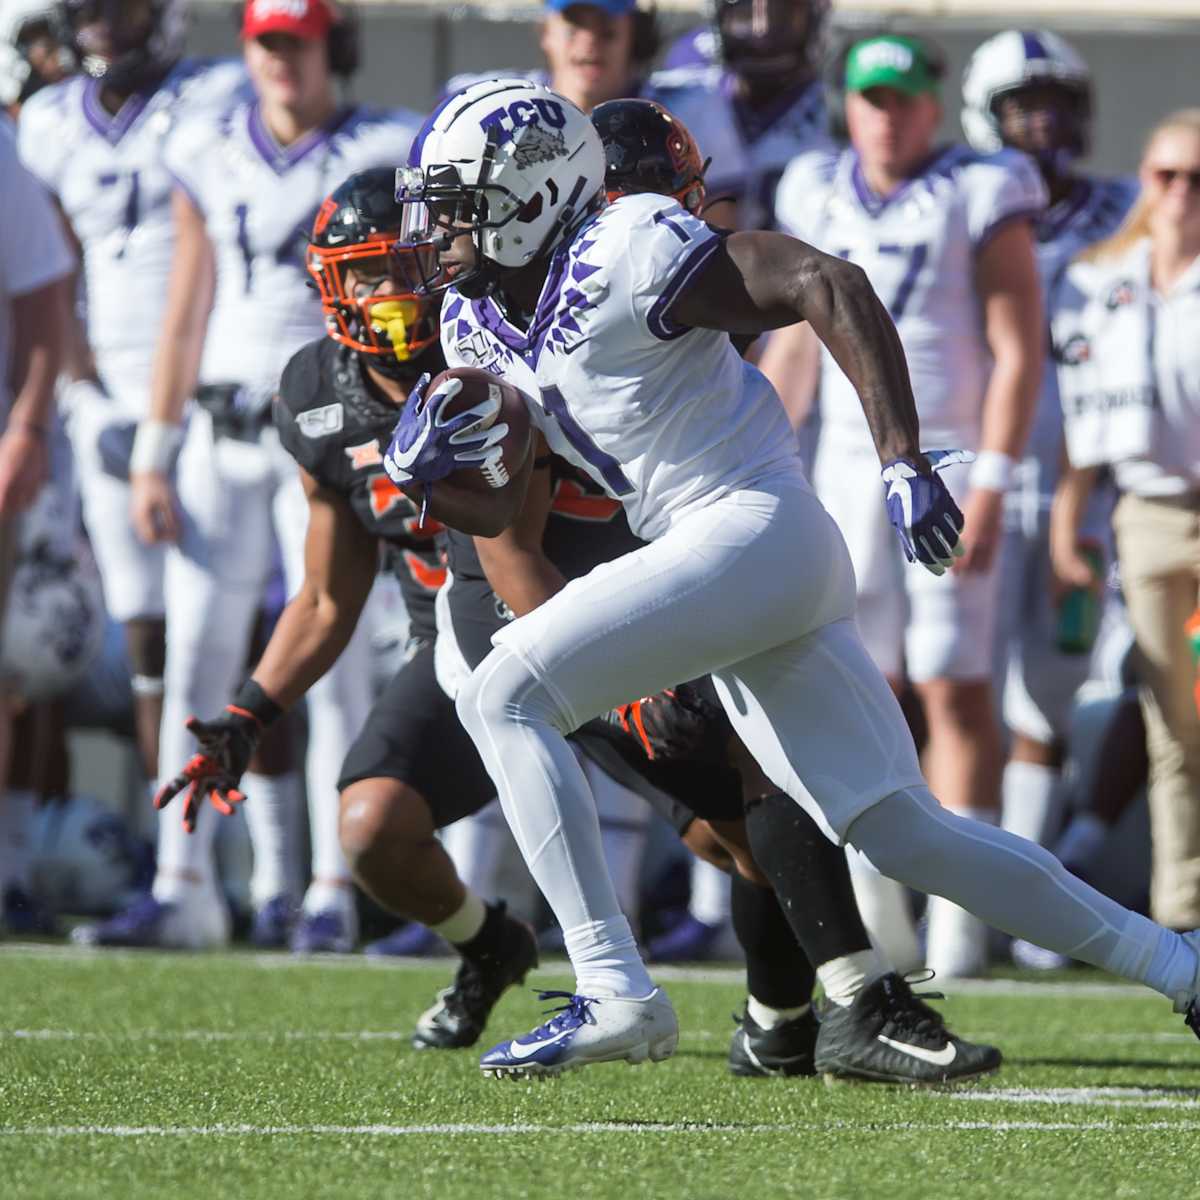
(478, 387)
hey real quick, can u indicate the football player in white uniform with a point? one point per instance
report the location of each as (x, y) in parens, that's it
(247, 188)
(96, 141)
(945, 238)
(31, 52)
(613, 321)
(758, 105)
(1031, 90)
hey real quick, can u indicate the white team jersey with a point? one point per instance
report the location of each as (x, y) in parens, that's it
(110, 178)
(918, 248)
(750, 150)
(662, 416)
(259, 201)
(1090, 213)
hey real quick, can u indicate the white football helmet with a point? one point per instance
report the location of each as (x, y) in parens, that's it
(84, 857)
(1015, 59)
(54, 617)
(508, 160)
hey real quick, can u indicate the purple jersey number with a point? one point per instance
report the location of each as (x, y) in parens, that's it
(609, 469)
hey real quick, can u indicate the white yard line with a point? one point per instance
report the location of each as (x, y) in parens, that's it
(1091, 1097)
(590, 1127)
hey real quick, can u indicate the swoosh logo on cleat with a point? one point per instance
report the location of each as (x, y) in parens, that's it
(524, 1050)
(939, 1058)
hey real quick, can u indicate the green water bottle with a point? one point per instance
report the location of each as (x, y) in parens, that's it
(1192, 628)
(1079, 610)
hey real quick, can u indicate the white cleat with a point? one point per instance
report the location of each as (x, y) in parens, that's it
(198, 920)
(589, 1030)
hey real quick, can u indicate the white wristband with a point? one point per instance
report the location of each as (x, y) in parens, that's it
(992, 469)
(154, 446)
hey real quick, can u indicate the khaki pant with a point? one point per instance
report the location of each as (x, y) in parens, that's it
(1158, 544)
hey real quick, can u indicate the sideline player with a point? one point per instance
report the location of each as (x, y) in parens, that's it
(945, 238)
(1031, 90)
(96, 141)
(758, 105)
(247, 188)
(31, 52)
(614, 321)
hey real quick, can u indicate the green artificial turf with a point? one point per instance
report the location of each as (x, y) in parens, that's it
(129, 1075)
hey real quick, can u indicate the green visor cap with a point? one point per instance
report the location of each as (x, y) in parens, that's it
(888, 61)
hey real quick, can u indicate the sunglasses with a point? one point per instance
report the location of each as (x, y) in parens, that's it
(1165, 176)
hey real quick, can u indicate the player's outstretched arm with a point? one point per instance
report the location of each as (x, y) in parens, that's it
(339, 567)
(760, 281)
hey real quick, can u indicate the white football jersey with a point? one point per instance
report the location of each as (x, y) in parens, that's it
(663, 416)
(1090, 213)
(259, 200)
(918, 247)
(109, 175)
(750, 150)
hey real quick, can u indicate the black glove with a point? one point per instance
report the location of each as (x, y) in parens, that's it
(680, 722)
(226, 746)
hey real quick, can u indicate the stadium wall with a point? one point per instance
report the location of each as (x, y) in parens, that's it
(1144, 64)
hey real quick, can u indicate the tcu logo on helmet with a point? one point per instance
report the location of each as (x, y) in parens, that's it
(521, 113)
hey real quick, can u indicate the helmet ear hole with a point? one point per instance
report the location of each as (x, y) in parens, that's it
(531, 209)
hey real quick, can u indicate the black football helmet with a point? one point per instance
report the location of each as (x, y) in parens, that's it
(127, 44)
(647, 149)
(356, 230)
(766, 40)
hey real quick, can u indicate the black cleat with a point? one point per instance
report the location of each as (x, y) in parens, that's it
(462, 1010)
(888, 1035)
(785, 1050)
(1191, 1017)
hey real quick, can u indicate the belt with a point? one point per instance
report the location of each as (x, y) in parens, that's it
(236, 412)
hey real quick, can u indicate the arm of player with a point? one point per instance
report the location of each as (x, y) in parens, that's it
(38, 319)
(1010, 296)
(1070, 568)
(340, 562)
(760, 281)
(176, 363)
(514, 562)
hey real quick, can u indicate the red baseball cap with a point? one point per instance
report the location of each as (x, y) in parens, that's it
(308, 19)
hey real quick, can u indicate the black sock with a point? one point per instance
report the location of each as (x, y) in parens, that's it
(810, 877)
(777, 972)
(488, 941)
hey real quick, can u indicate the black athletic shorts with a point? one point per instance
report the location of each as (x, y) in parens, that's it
(413, 734)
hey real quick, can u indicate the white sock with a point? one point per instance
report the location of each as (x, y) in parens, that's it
(270, 809)
(606, 959)
(710, 894)
(1081, 839)
(766, 1017)
(843, 978)
(16, 838)
(1021, 888)
(1032, 800)
(884, 906)
(514, 722)
(624, 823)
(328, 895)
(185, 860)
(463, 925)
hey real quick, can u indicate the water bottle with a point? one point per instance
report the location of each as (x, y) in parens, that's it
(1192, 628)
(1079, 610)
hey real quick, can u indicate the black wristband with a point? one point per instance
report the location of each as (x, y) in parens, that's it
(252, 699)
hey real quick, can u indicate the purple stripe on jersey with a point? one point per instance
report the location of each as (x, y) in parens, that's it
(111, 127)
(657, 320)
(487, 313)
(1032, 45)
(282, 158)
(1057, 217)
(875, 203)
(1023, 214)
(755, 124)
